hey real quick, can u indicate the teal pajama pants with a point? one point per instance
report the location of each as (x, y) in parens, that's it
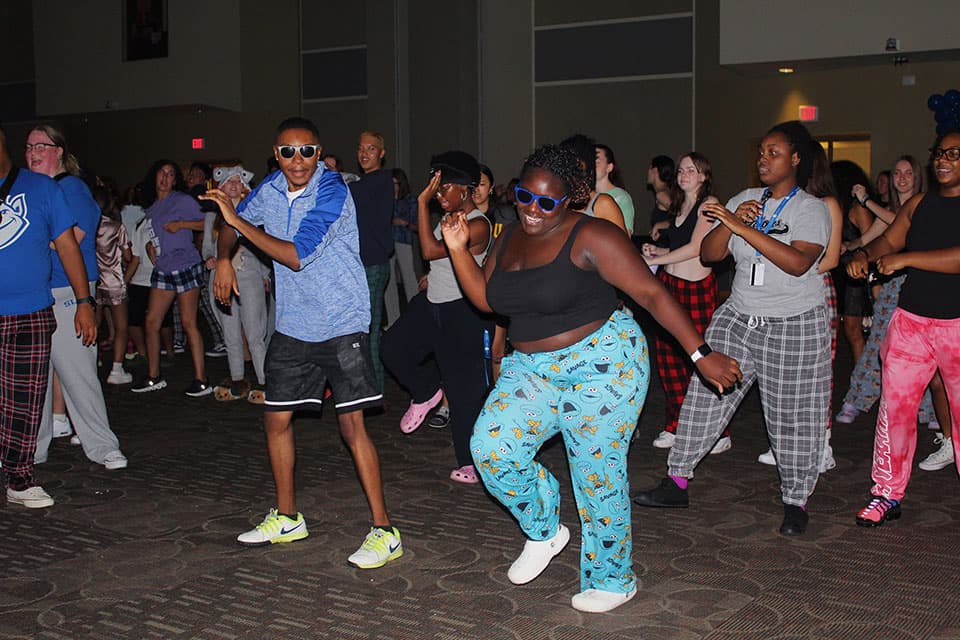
(591, 393)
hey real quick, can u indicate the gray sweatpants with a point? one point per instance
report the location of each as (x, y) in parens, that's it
(790, 359)
(246, 316)
(76, 365)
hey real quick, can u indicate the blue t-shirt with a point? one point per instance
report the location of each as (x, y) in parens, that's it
(87, 214)
(33, 215)
(328, 297)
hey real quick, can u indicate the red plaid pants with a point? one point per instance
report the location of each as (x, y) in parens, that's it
(673, 363)
(24, 366)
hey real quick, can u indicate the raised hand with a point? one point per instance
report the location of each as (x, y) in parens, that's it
(455, 230)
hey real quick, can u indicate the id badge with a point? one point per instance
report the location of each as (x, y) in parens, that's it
(756, 274)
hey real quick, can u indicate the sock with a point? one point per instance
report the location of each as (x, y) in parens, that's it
(117, 367)
(287, 515)
(680, 482)
(60, 417)
(386, 528)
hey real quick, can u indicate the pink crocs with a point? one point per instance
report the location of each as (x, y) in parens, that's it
(415, 415)
(467, 474)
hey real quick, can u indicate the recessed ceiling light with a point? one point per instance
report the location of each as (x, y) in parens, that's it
(785, 70)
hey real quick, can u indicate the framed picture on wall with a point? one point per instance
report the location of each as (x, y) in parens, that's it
(145, 29)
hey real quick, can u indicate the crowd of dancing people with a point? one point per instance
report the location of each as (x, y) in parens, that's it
(510, 313)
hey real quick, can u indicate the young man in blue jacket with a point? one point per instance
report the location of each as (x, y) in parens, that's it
(323, 318)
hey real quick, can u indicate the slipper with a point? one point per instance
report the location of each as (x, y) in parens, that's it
(466, 474)
(257, 396)
(417, 411)
(229, 390)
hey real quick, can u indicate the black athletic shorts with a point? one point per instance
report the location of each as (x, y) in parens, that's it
(297, 373)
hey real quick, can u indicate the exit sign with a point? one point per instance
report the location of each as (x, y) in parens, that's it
(198, 143)
(809, 113)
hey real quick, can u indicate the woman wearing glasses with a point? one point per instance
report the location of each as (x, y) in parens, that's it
(173, 217)
(440, 321)
(688, 280)
(75, 365)
(924, 331)
(579, 369)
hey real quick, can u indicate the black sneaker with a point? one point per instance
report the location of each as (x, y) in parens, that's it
(667, 494)
(198, 389)
(150, 384)
(218, 351)
(794, 520)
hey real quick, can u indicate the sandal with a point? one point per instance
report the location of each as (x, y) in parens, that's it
(229, 390)
(257, 395)
(414, 416)
(466, 474)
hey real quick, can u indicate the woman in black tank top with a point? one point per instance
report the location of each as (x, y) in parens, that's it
(579, 370)
(924, 331)
(691, 282)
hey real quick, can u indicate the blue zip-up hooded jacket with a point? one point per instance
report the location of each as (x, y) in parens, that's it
(328, 297)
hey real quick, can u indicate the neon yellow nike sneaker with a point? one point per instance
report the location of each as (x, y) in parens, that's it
(378, 548)
(275, 528)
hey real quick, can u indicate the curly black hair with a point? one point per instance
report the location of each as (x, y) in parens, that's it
(564, 164)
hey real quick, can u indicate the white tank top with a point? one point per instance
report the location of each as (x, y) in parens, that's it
(442, 283)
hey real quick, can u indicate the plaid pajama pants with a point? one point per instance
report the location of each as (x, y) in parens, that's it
(830, 294)
(790, 359)
(673, 363)
(24, 366)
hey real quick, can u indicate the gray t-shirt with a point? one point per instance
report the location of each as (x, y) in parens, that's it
(781, 295)
(442, 285)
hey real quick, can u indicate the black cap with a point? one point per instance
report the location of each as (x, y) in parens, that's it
(456, 167)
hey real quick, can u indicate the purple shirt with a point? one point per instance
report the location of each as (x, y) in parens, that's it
(175, 251)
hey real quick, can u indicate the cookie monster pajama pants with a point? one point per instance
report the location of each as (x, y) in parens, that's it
(591, 393)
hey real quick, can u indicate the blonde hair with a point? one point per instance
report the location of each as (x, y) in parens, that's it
(381, 142)
(68, 160)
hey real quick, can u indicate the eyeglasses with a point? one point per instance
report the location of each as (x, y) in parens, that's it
(40, 146)
(952, 153)
(545, 203)
(306, 150)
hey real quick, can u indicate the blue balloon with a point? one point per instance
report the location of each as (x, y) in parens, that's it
(934, 101)
(952, 97)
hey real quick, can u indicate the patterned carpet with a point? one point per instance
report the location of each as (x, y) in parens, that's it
(149, 552)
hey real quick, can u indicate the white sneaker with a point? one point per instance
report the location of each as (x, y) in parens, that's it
(32, 498)
(275, 528)
(940, 458)
(120, 377)
(61, 426)
(115, 460)
(767, 458)
(597, 601)
(378, 548)
(826, 459)
(536, 555)
(723, 444)
(664, 440)
(848, 413)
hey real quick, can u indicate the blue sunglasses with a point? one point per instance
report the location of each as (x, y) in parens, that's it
(545, 203)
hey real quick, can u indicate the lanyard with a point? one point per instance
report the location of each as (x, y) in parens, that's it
(764, 226)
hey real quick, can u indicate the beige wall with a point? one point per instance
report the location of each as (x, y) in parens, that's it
(123, 143)
(734, 110)
(752, 32)
(78, 48)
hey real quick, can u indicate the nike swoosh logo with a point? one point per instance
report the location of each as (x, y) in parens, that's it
(393, 547)
(284, 532)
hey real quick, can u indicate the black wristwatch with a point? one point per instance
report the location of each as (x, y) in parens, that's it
(90, 300)
(702, 350)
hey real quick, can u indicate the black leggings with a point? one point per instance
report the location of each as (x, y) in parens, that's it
(453, 333)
